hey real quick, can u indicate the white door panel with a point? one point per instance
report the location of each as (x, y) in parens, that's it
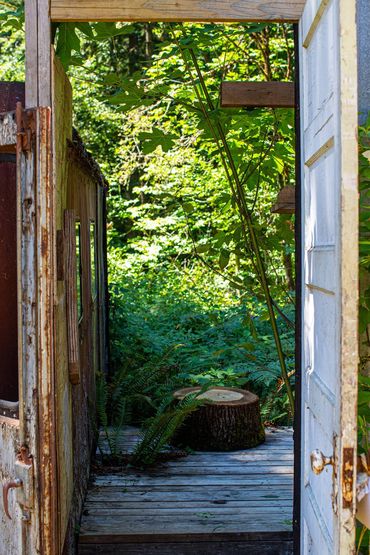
(329, 277)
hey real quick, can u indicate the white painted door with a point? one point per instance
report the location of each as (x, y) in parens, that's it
(327, 49)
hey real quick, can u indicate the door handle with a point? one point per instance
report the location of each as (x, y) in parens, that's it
(319, 461)
(16, 483)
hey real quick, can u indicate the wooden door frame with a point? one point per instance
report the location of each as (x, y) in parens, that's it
(39, 93)
(39, 15)
(297, 432)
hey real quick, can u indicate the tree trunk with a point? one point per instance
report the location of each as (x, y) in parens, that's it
(230, 420)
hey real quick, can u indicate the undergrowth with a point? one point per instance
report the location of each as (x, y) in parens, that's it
(172, 328)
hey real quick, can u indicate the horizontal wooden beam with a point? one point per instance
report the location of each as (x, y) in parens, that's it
(174, 10)
(272, 94)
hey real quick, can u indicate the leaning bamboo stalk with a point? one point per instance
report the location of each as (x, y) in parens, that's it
(246, 218)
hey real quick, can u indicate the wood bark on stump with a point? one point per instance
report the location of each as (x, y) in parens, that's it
(229, 420)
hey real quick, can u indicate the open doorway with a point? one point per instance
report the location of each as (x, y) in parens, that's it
(187, 306)
(329, 268)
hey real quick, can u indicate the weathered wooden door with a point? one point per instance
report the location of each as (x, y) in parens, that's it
(27, 465)
(329, 283)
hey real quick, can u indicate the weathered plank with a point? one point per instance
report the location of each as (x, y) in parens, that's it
(169, 10)
(202, 503)
(205, 471)
(273, 94)
(71, 296)
(100, 525)
(38, 53)
(170, 494)
(165, 506)
(8, 132)
(199, 509)
(201, 538)
(256, 481)
(231, 547)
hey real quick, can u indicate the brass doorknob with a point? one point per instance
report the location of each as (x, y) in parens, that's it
(319, 461)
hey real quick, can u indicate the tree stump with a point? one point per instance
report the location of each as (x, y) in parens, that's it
(230, 420)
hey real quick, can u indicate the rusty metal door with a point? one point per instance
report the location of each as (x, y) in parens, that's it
(27, 467)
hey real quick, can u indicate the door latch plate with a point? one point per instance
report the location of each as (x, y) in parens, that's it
(24, 472)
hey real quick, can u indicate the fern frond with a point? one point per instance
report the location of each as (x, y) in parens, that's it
(162, 428)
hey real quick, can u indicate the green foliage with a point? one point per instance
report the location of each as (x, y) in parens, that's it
(162, 427)
(185, 295)
(364, 166)
(191, 324)
(362, 533)
(11, 16)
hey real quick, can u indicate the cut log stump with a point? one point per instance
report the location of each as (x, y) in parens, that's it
(230, 420)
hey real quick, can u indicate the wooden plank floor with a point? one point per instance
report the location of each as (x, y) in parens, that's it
(237, 502)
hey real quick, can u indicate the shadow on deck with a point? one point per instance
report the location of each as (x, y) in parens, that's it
(219, 503)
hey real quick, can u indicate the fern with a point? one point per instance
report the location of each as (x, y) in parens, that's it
(101, 408)
(116, 400)
(162, 428)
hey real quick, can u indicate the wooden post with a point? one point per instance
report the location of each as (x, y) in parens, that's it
(39, 419)
(38, 53)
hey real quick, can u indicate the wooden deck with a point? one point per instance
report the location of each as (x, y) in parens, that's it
(219, 503)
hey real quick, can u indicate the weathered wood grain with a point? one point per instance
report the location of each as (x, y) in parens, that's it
(186, 494)
(188, 503)
(276, 546)
(273, 94)
(190, 538)
(38, 53)
(168, 10)
(67, 455)
(71, 296)
(8, 132)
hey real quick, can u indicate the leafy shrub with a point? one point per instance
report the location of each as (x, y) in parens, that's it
(192, 330)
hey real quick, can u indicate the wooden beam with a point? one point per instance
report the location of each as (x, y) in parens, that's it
(273, 94)
(171, 10)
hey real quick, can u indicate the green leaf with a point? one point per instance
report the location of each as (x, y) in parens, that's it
(202, 248)
(86, 29)
(188, 207)
(224, 258)
(67, 42)
(105, 30)
(150, 141)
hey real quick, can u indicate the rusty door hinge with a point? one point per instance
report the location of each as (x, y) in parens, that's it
(347, 477)
(26, 128)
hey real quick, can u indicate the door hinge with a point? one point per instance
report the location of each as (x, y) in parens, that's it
(26, 128)
(347, 477)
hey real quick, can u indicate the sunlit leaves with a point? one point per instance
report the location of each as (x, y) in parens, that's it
(68, 42)
(157, 137)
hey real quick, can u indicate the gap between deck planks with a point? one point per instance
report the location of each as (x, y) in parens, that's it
(237, 502)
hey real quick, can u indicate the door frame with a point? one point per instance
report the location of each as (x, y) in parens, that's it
(297, 425)
(39, 16)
